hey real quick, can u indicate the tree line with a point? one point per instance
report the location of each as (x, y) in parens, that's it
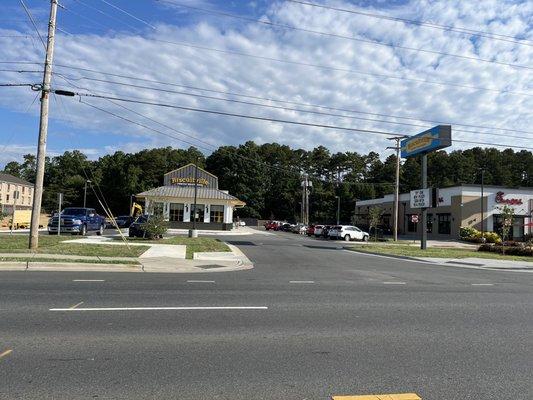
(268, 176)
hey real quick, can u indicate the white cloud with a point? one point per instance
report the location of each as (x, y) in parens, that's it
(148, 59)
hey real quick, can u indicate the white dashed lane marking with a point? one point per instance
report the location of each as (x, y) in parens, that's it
(482, 284)
(301, 281)
(394, 283)
(88, 280)
(198, 281)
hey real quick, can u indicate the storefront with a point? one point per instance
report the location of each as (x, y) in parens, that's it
(458, 206)
(175, 200)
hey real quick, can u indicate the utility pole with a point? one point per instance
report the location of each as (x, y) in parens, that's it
(43, 129)
(193, 232)
(396, 187)
(16, 195)
(306, 184)
(482, 205)
(59, 201)
(85, 193)
(338, 209)
(424, 222)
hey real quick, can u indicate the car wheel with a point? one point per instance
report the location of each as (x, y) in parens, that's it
(83, 231)
(100, 231)
(365, 238)
(347, 238)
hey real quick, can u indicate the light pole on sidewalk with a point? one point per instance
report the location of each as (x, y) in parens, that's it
(338, 208)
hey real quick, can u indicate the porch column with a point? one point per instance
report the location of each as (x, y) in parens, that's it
(186, 212)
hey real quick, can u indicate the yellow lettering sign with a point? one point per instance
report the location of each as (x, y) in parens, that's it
(419, 143)
(189, 180)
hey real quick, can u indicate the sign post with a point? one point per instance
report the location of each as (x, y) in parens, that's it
(426, 142)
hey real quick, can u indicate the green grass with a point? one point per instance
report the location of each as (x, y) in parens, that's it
(414, 251)
(63, 260)
(52, 244)
(194, 245)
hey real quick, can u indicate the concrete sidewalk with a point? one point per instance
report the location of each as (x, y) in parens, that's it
(483, 263)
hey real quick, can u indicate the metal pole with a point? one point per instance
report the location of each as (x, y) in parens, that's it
(338, 209)
(15, 197)
(397, 190)
(424, 236)
(43, 129)
(85, 195)
(60, 199)
(195, 193)
(482, 206)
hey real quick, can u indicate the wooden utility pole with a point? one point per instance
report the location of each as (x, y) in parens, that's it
(396, 187)
(43, 128)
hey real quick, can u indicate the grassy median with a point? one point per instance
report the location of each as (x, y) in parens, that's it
(435, 252)
(194, 245)
(52, 244)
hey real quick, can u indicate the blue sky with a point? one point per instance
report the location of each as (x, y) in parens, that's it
(108, 40)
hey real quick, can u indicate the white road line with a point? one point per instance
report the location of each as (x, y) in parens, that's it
(88, 280)
(482, 284)
(393, 283)
(301, 281)
(160, 308)
(193, 281)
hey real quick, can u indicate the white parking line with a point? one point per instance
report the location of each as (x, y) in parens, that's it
(88, 280)
(482, 284)
(160, 308)
(301, 281)
(193, 281)
(393, 283)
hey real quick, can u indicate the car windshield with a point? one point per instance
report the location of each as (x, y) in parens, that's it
(73, 211)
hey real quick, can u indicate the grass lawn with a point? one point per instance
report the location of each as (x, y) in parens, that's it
(63, 260)
(194, 245)
(53, 245)
(414, 251)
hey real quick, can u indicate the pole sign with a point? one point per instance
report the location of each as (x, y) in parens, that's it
(420, 198)
(433, 139)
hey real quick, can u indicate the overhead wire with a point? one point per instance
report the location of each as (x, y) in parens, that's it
(283, 108)
(127, 13)
(277, 120)
(28, 13)
(353, 38)
(446, 28)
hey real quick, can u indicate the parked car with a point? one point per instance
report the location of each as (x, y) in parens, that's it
(311, 230)
(123, 221)
(286, 227)
(325, 231)
(137, 227)
(347, 233)
(77, 221)
(299, 228)
(273, 225)
(317, 231)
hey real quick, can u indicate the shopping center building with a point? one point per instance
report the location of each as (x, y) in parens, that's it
(456, 207)
(175, 199)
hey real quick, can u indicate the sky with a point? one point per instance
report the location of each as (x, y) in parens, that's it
(196, 52)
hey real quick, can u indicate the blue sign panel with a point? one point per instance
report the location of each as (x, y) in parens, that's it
(433, 139)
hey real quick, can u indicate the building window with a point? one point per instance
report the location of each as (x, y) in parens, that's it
(176, 212)
(411, 226)
(7, 198)
(217, 214)
(445, 224)
(200, 212)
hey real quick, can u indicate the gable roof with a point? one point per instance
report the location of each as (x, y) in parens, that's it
(13, 179)
(188, 192)
(191, 165)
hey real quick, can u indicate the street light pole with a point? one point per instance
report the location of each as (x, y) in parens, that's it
(85, 193)
(193, 232)
(396, 187)
(338, 209)
(482, 205)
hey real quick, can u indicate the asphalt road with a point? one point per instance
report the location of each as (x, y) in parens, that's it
(336, 322)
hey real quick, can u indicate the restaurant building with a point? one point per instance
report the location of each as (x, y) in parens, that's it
(456, 207)
(175, 199)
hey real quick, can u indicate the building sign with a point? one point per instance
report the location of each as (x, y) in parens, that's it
(421, 198)
(433, 139)
(188, 181)
(511, 202)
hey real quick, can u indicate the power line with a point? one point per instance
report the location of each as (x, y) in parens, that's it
(127, 13)
(15, 84)
(485, 34)
(259, 118)
(106, 14)
(286, 108)
(28, 13)
(273, 99)
(338, 36)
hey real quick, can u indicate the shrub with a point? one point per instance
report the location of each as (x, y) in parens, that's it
(469, 234)
(492, 237)
(155, 226)
(515, 250)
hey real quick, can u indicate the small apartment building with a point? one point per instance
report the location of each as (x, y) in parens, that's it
(457, 206)
(175, 199)
(15, 192)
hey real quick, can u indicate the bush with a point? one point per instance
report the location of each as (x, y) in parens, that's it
(466, 232)
(514, 250)
(469, 234)
(155, 226)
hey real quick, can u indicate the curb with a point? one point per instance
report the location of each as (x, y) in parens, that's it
(389, 255)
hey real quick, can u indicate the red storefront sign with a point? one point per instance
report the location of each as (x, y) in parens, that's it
(501, 200)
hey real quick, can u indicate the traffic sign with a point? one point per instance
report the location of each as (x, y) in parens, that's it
(414, 218)
(421, 198)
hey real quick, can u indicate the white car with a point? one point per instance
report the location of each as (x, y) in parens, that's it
(347, 233)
